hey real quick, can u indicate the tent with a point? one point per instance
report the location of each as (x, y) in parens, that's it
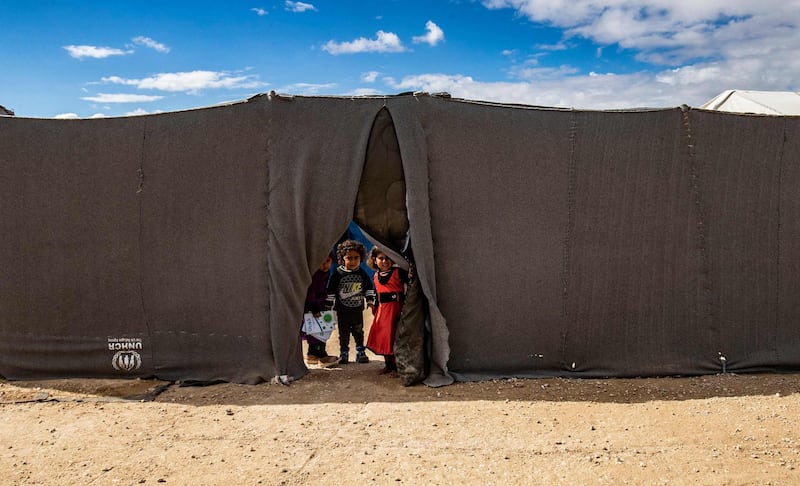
(759, 102)
(545, 242)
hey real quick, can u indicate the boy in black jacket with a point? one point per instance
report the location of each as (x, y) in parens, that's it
(348, 289)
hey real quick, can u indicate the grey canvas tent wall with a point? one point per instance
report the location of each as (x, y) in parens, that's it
(547, 242)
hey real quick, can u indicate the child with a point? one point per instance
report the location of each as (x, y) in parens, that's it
(390, 288)
(315, 303)
(348, 288)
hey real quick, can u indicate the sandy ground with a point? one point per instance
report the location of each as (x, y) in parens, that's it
(350, 425)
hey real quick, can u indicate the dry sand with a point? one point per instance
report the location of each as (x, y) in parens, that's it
(350, 425)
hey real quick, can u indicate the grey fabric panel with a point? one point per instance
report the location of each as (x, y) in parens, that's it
(675, 241)
(69, 216)
(381, 203)
(317, 148)
(634, 268)
(498, 181)
(234, 208)
(381, 212)
(741, 180)
(204, 244)
(409, 347)
(408, 114)
(787, 339)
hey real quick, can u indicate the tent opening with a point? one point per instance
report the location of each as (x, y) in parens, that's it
(380, 217)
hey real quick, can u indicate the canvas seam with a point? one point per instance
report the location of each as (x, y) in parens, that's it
(569, 230)
(778, 239)
(268, 232)
(705, 284)
(140, 193)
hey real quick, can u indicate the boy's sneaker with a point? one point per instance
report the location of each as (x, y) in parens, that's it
(362, 357)
(343, 358)
(328, 361)
(311, 359)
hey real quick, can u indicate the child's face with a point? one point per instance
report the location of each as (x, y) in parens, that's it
(383, 262)
(326, 265)
(352, 259)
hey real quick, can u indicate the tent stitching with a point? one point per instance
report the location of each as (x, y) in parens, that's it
(705, 284)
(269, 232)
(778, 235)
(140, 193)
(572, 174)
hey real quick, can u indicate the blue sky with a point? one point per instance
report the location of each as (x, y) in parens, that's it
(84, 59)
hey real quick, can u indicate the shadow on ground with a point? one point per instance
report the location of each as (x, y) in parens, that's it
(356, 383)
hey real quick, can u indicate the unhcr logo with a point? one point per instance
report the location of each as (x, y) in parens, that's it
(126, 361)
(126, 358)
(117, 344)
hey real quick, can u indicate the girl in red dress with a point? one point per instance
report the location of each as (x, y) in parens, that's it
(390, 288)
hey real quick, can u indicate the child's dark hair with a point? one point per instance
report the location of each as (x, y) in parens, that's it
(373, 254)
(350, 245)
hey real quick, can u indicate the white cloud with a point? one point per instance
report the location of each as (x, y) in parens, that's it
(121, 98)
(692, 85)
(189, 82)
(670, 31)
(433, 36)
(689, 51)
(152, 44)
(307, 88)
(74, 116)
(540, 73)
(383, 42)
(561, 46)
(140, 111)
(259, 11)
(363, 92)
(79, 52)
(299, 6)
(503, 92)
(690, 75)
(369, 77)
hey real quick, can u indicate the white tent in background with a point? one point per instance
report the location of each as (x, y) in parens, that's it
(761, 102)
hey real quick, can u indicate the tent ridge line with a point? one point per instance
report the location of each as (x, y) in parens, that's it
(273, 95)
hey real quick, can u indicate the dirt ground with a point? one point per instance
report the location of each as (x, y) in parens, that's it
(350, 425)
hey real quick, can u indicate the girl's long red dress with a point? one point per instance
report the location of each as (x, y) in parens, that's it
(390, 288)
